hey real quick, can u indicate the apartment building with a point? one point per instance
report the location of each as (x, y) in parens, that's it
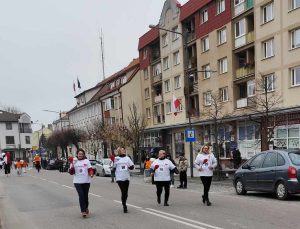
(15, 134)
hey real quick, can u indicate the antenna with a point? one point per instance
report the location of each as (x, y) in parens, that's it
(102, 53)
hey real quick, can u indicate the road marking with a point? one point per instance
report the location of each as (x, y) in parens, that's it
(183, 218)
(92, 194)
(53, 182)
(117, 201)
(67, 186)
(175, 220)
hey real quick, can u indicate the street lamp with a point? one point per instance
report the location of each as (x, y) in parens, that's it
(186, 77)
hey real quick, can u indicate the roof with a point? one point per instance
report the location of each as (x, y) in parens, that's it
(191, 7)
(9, 117)
(148, 38)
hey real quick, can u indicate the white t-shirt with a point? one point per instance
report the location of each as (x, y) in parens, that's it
(204, 161)
(122, 165)
(81, 175)
(162, 173)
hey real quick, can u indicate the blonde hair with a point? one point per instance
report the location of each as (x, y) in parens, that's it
(202, 148)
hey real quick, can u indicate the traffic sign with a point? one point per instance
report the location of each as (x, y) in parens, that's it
(190, 135)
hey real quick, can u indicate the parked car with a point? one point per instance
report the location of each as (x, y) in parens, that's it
(103, 168)
(274, 171)
(93, 164)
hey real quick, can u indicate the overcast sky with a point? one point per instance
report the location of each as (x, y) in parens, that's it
(46, 44)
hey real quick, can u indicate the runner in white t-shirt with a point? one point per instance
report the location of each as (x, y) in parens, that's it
(122, 165)
(161, 169)
(82, 170)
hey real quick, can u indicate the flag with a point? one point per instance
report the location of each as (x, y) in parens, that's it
(175, 105)
(74, 86)
(78, 83)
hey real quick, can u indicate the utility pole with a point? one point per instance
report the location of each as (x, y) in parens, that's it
(101, 37)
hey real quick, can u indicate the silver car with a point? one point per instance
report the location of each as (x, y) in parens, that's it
(103, 167)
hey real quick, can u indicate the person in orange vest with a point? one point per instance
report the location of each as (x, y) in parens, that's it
(25, 165)
(37, 162)
(19, 167)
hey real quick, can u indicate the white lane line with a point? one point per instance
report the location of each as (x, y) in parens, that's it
(128, 204)
(67, 186)
(92, 194)
(183, 218)
(175, 220)
(53, 182)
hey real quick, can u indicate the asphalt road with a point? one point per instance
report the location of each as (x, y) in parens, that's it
(48, 200)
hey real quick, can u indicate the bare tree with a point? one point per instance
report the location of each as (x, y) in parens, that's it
(11, 109)
(265, 101)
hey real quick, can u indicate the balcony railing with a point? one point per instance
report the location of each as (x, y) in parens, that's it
(245, 102)
(157, 78)
(158, 99)
(191, 36)
(244, 71)
(245, 39)
(240, 8)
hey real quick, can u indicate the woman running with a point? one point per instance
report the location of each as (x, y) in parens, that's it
(205, 163)
(82, 170)
(122, 165)
(7, 163)
(161, 170)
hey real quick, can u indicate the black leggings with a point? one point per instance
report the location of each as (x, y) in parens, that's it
(83, 193)
(159, 187)
(7, 168)
(206, 181)
(183, 179)
(124, 185)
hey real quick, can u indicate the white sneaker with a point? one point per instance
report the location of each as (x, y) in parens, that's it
(172, 186)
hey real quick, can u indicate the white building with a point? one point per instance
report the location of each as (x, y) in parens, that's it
(61, 123)
(15, 134)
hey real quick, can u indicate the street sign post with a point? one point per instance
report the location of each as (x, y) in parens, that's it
(190, 135)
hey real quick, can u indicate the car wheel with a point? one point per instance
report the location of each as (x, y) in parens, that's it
(239, 187)
(281, 191)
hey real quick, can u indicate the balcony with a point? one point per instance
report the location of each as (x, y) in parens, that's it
(191, 36)
(245, 102)
(159, 119)
(245, 39)
(244, 71)
(157, 78)
(242, 7)
(158, 99)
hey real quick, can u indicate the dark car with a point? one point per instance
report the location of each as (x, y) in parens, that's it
(275, 171)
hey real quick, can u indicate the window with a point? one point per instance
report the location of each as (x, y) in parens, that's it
(177, 82)
(295, 76)
(27, 140)
(175, 34)
(240, 28)
(164, 40)
(237, 2)
(223, 65)
(167, 85)
(8, 125)
(116, 103)
(156, 69)
(220, 6)
(166, 63)
(10, 140)
(287, 138)
(269, 83)
(147, 93)
(295, 38)
(176, 58)
(168, 108)
(112, 85)
(205, 44)
(204, 16)
(267, 12)
(257, 161)
(222, 36)
(294, 4)
(148, 112)
(295, 158)
(270, 160)
(112, 102)
(118, 82)
(207, 98)
(146, 76)
(268, 48)
(280, 160)
(224, 94)
(145, 53)
(251, 88)
(124, 79)
(206, 71)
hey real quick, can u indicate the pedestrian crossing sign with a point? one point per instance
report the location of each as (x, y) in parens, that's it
(190, 135)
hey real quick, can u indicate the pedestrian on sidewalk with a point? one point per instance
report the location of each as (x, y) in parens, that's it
(111, 165)
(182, 168)
(161, 169)
(172, 182)
(122, 165)
(236, 155)
(82, 170)
(7, 163)
(205, 163)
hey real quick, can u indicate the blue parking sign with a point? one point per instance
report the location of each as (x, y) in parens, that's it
(190, 135)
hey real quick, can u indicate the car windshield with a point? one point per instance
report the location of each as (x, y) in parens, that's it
(106, 162)
(295, 157)
(93, 162)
